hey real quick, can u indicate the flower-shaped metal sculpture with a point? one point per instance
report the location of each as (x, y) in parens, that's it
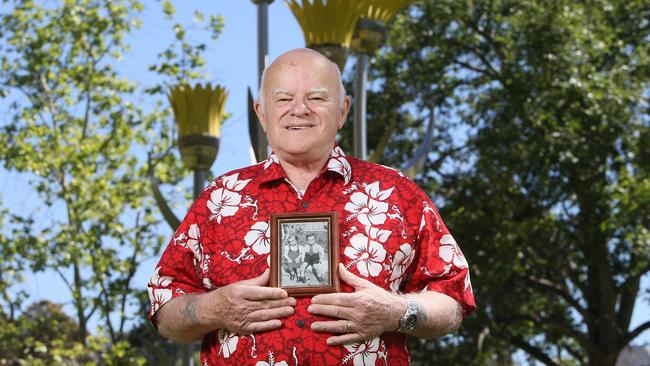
(198, 111)
(384, 10)
(328, 25)
(371, 28)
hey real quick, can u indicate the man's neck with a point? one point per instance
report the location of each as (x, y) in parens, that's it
(302, 173)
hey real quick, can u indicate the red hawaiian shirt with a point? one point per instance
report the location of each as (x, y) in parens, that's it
(389, 233)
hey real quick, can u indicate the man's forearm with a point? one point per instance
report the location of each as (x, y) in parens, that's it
(183, 318)
(438, 314)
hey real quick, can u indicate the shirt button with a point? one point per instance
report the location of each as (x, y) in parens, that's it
(305, 204)
(300, 323)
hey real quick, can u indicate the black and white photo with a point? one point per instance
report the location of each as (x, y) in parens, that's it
(302, 257)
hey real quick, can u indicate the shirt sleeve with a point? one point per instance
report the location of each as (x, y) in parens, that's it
(178, 271)
(440, 264)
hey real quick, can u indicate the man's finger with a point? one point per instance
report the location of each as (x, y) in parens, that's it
(271, 304)
(263, 326)
(261, 280)
(258, 293)
(341, 299)
(269, 314)
(344, 339)
(351, 279)
(331, 311)
(338, 326)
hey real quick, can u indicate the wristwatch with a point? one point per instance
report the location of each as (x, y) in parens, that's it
(409, 320)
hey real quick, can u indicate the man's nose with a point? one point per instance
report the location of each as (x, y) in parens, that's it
(299, 107)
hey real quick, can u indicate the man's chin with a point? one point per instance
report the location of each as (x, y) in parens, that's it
(303, 153)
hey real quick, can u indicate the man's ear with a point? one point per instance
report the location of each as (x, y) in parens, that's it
(259, 111)
(344, 111)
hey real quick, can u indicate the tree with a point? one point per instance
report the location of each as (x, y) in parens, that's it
(78, 130)
(545, 183)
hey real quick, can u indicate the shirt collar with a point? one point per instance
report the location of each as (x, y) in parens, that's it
(336, 163)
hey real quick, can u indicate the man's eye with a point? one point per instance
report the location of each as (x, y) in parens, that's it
(317, 98)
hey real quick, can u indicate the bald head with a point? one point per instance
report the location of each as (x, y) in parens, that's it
(301, 107)
(291, 60)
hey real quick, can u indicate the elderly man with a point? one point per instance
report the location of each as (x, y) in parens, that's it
(401, 271)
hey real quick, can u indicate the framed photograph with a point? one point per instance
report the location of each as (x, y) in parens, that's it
(305, 252)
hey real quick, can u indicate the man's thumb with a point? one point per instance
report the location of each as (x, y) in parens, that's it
(261, 280)
(351, 279)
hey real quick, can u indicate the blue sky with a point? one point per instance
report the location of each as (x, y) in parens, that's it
(231, 62)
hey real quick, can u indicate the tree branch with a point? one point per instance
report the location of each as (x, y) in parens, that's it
(105, 300)
(166, 211)
(50, 102)
(383, 141)
(533, 351)
(560, 327)
(65, 280)
(628, 291)
(547, 284)
(131, 273)
(472, 67)
(635, 333)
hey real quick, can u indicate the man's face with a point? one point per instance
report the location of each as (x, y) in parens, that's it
(302, 108)
(311, 240)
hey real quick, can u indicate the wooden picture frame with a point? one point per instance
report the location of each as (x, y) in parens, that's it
(305, 252)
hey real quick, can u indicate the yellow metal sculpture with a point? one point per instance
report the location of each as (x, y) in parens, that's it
(198, 111)
(383, 10)
(371, 27)
(328, 25)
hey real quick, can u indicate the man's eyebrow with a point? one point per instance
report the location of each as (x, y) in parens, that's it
(279, 91)
(319, 91)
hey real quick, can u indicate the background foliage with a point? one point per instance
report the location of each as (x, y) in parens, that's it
(540, 165)
(81, 132)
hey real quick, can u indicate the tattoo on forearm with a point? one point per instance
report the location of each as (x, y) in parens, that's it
(452, 325)
(423, 317)
(459, 315)
(190, 309)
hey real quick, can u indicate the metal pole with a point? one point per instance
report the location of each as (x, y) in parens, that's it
(188, 354)
(262, 62)
(360, 81)
(200, 177)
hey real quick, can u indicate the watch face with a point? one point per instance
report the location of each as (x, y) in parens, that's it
(409, 324)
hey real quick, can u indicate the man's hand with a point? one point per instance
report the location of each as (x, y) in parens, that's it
(242, 308)
(248, 306)
(364, 314)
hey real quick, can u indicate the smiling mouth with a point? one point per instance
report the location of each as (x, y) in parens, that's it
(296, 128)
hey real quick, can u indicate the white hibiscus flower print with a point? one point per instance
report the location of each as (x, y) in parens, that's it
(365, 353)
(228, 343)
(193, 243)
(224, 201)
(427, 208)
(468, 283)
(367, 252)
(159, 296)
(402, 260)
(271, 361)
(450, 252)
(270, 160)
(338, 163)
(259, 238)
(264, 363)
(231, 183)
(369, 208)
